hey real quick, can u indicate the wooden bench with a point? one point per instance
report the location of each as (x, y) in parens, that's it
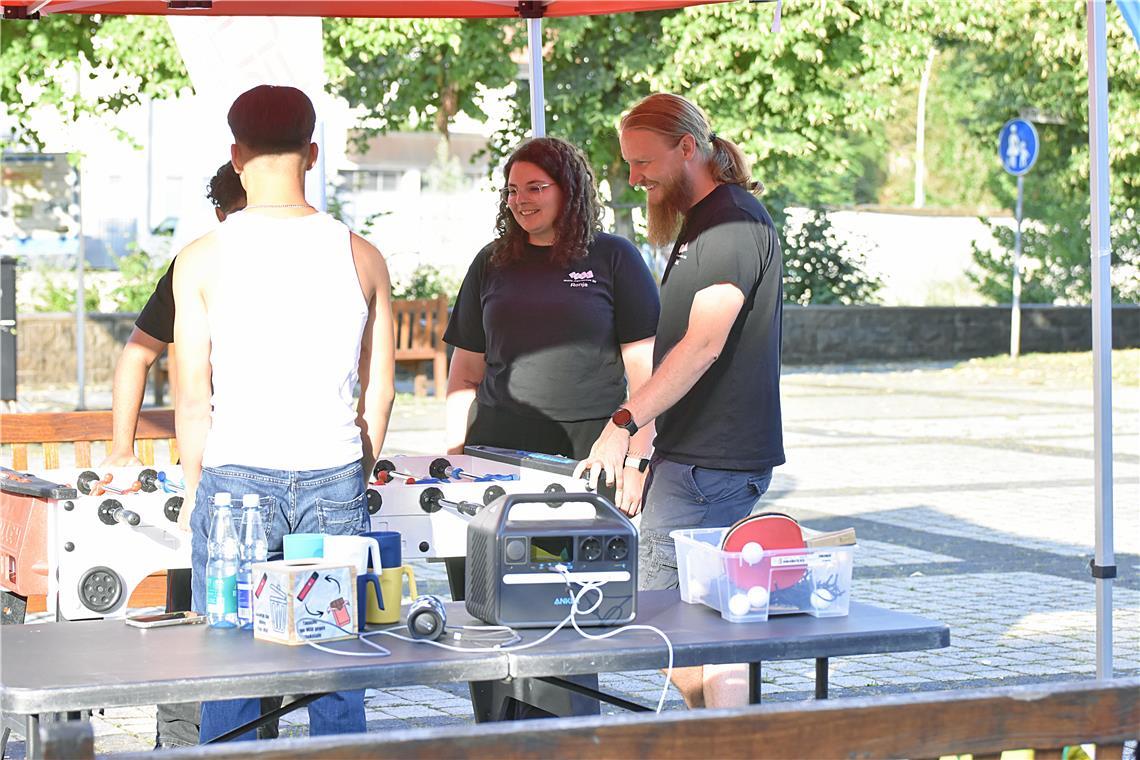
(419, 326)
(982, 722)
(50, 430)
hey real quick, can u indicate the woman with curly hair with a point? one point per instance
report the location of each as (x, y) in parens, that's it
(552, 318)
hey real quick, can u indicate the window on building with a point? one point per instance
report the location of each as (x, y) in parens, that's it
(371, 180)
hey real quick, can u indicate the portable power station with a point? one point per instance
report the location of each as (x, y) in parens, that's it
(511, 576)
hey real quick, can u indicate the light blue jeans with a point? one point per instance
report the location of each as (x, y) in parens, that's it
(308, 501)
(679, 496)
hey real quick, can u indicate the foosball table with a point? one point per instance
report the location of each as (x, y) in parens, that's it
(86, 538)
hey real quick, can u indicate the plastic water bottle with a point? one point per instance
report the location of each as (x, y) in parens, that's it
(254, 548)
(221, 566)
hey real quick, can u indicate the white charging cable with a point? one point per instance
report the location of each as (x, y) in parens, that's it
(587, 587)
(512, 645)
(380, 651)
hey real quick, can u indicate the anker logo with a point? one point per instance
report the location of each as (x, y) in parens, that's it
(563, 601)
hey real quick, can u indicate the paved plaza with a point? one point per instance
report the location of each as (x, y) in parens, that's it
(971, 489)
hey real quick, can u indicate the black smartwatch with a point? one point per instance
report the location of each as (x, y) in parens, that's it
(623, 418)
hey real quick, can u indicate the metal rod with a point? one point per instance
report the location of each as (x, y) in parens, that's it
(1015, 315)
(598, 695)
(537, 94)
(754, 683)
(263, 719)
(821, 678)
(1101, 326)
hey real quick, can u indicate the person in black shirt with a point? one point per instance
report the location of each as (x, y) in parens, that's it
(551, 319)
(715, 389)
(154, 332)
(177, 724)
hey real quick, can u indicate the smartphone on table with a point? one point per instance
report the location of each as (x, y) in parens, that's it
(166, 618)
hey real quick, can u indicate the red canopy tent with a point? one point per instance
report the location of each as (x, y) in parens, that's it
(1103, 566)
(352, 8)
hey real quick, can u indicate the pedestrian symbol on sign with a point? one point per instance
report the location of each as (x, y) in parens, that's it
(1016, 153)
(1018, 146)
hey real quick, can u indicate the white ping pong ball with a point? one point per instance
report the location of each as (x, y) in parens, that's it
(738, 605)
(821, 598)
(752, 553)
(758, 597)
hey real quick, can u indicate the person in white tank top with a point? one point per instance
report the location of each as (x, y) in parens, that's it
(280, 312)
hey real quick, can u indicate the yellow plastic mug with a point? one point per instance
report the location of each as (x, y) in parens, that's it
(392, 588)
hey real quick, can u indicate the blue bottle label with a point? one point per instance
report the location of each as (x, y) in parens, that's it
(221, 595)
(244, 603)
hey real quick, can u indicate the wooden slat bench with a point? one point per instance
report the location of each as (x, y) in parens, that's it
(419, 326)
(982, 722)
(51, 430)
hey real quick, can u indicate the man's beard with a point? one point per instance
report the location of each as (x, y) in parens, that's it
(667, 215)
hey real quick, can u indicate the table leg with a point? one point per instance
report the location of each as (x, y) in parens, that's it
(821, 678)
(754, 683)
(32, 736)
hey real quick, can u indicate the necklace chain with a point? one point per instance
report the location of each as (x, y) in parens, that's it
(279, 205)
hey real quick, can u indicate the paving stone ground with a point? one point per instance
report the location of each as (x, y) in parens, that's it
(971, 489)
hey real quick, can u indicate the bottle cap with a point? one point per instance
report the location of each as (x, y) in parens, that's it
(251, 500)
(222, 499)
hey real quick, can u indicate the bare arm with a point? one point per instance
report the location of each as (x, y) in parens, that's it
(377, 370)
(638, 360)
(463, 379)
(711, 317)
(192, 335)
(138, 356)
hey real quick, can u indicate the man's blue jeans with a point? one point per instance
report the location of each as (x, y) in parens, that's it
(310, 501)
(679, 496)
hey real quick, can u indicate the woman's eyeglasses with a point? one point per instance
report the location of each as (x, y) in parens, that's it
(531, 190)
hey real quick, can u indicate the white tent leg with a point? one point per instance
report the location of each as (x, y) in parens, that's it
(537, 95)
(1101, 330)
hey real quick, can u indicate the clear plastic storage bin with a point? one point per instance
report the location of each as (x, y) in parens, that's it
(747, 588)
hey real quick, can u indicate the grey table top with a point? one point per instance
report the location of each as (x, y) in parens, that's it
(52, 667)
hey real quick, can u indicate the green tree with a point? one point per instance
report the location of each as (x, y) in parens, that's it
(808, 103)
(56, 292)
(1055, 260)
(139, 272)
(418, 73)
(132, 56)
(821, 268)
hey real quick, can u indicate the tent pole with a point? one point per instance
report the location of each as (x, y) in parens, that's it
(537, 95)
(1104, 561)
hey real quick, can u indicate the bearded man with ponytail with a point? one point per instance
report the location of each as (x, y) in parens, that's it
(715, 389)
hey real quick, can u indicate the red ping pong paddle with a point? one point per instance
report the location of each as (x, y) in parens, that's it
(770, 531)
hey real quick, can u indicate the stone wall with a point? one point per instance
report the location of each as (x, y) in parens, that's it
(812, 335)
(845, 334)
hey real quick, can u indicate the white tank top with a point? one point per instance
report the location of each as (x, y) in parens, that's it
(286, 318)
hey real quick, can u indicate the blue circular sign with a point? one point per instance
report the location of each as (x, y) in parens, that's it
(1017, 146)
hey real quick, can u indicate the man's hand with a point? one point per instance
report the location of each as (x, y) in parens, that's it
(608, 453)
(634, 489)
(186, 511)
(120, 459)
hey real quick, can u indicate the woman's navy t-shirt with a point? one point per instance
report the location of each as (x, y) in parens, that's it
(551, 336)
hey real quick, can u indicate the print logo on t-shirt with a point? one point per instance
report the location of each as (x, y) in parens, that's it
(681, 251)
(581, 279)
